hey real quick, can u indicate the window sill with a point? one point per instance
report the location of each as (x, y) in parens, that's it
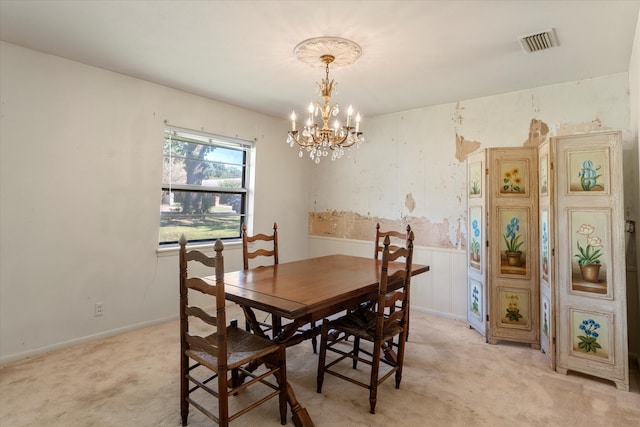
(172, 250)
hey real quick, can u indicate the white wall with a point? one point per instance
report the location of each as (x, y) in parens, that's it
(413, 152)
(81, 156)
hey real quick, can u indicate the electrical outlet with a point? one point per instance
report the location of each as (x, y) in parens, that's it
(98, 309)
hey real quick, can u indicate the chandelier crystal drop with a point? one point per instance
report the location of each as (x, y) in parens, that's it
(318, 140)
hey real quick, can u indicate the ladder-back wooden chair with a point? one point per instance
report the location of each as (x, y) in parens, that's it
(398, 240)
(213, 354)
(377, 324)
(266, 250)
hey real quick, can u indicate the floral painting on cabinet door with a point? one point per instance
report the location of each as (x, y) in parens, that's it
(588, 171)
(513, 245)
(514, 306)
(475, 237)
(544, 175)
(545, 266)
(475, 179)
(589, 251)
(591, 334)
(545, 318)
(475, 298)
(513, 177)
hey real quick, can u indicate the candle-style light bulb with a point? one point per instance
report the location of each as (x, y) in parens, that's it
(357, 122)
(310, 109)
(349, 114)
(293, 120)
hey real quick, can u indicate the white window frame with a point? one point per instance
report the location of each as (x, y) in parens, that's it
(245, 191)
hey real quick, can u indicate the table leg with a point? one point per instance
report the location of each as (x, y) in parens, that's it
(300, 415)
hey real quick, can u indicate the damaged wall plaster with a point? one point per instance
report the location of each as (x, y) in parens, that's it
(410, 202)
(352, 225)
(464, 147)
(538, 131)
(577, 128)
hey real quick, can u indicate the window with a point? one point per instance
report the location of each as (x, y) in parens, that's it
(204, 186)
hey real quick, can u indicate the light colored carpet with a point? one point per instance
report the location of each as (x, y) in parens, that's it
(451, 378)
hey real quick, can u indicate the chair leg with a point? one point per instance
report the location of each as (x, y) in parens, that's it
(282, 384)
(323, 354)
(373, 381)
(356, 351)
(314, 339)
(276, 326)
(407, 327)
(400, 360)
(184, 388)
(223, 399)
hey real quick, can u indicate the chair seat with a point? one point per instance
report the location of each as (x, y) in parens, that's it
(242, 347)
(362, 324)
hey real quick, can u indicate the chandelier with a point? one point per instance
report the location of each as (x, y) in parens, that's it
(319, 139)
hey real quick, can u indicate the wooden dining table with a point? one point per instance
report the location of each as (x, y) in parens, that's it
(306, 291)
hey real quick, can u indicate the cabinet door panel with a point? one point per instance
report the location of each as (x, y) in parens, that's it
(590, 268)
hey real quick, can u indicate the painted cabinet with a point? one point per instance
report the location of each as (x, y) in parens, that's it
(546, 271)
(503, 302)
(590, 280)
(477, 315)
(545, 257)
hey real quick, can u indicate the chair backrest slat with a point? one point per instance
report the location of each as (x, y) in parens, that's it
(201, 258)
(198, 284)
(198, 343)
(202, 315)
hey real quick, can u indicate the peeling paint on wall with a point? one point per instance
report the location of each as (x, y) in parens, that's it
(410, 202)
(457, 115)
(351, 225)
(586, 127)
(464, 147)
(538, 131)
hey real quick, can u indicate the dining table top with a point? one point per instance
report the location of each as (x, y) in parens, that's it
(311, 288)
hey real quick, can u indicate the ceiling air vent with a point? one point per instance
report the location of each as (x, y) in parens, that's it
(538, 41)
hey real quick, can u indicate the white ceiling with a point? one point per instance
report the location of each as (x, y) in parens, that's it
(415, 53)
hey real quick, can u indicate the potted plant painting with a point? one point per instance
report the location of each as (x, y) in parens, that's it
(513, 311)
(512, 239)
(589, 176)
(589, 339)
(545, 248)
(589, 256)
(475, 242)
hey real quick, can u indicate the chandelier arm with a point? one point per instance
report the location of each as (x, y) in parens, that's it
(302, 140)
(336, 141)
(356, 138)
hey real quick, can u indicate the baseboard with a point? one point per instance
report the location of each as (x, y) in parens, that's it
(440, 313)
(82, 340)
